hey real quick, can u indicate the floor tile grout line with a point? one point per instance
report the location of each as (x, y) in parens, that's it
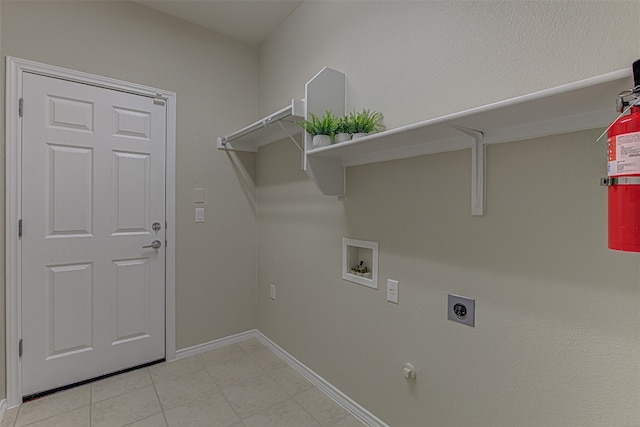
(292, 396)
(164, 415)
(22, 406)
(49, 417)
(313, 386)
(295, 365)
(264, 409)
(220, 388)
(264, 372)
(15, 420)
(119, 376)
(343, 418)
(305, 409)
(268, 372)
(135, 371)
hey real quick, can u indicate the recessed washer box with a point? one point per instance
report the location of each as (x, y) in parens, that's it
(360, 262)
(461, 309)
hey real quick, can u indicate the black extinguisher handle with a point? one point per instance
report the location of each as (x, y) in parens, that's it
(636, 73)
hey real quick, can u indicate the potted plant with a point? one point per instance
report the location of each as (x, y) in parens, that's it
(366, 122)
(342, 130)
(321, 129)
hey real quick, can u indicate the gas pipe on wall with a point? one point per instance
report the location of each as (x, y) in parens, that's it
(623, 171)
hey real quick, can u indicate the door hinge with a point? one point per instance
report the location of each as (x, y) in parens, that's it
(20, 348)
(158, 100)
(19, 228)
(20, 107)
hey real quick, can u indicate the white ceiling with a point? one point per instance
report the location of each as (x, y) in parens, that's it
(248, 20)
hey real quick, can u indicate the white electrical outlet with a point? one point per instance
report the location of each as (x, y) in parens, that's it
(392, 291)
(273, 291)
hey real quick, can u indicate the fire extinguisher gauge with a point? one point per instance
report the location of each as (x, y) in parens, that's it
(626, 98)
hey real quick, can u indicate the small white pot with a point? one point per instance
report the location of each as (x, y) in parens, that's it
(320, 141)
(359, 135)
(342, 137)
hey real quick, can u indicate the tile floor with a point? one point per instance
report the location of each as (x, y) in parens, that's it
(239, 385)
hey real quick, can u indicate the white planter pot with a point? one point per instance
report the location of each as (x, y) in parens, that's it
(342, 137)
(320, 141)
(359, 135)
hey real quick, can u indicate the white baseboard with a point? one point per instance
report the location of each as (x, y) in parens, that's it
(327, 388)
(211, 345)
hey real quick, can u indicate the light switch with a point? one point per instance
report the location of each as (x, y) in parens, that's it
(198, 195)
(199, 214)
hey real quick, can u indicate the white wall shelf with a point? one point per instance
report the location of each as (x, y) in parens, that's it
(272, 128)
(325, 91)
(581, 105)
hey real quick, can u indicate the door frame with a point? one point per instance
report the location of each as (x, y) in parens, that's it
(15, 68)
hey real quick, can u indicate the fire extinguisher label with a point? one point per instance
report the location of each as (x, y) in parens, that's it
(623, 154)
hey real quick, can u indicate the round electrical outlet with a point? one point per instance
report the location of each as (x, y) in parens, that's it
(460, 310)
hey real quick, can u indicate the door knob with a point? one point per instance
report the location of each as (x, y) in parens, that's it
(156, 244)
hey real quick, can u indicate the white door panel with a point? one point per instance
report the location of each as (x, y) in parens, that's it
(131, 193)
(93, 183)
(69, 286)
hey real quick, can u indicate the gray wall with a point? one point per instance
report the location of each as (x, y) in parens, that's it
(215, 79)
(557, 338)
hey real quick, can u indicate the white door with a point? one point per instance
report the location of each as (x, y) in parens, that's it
(93, 184)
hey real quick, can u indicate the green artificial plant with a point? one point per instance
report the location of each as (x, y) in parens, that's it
(326, 125)
(343, 125)
(365, 122)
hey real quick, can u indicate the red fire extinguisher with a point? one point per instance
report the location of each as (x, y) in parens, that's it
(623, 171)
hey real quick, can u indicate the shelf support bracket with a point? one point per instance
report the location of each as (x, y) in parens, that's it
(478, 158)
(290, 136)
(294, 141)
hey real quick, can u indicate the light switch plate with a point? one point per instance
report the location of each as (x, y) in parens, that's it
(392, 291)
(461, 309)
